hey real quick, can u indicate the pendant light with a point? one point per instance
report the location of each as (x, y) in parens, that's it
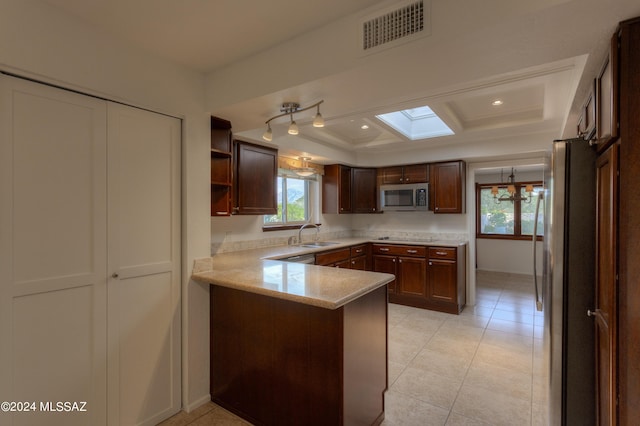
(511, 190)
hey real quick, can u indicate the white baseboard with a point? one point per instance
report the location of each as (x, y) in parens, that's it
(198, 403)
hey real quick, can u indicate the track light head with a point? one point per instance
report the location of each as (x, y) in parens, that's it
(268, 134)
(318, 120)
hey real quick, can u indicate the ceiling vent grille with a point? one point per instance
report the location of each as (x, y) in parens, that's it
(397, 24)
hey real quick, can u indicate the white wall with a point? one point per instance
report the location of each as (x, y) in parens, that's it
(40, 42)
(514, 257)
(422, 222)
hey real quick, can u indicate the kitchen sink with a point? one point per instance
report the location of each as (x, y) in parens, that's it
(319, 244)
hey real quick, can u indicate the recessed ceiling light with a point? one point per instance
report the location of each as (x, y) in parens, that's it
(497, 102)
(364, 127)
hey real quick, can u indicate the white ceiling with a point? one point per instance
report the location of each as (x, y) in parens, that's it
(538, 57)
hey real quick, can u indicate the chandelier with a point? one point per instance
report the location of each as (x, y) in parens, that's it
(290, 108)
(511, 190)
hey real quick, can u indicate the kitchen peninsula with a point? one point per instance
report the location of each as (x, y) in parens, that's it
(293, 343)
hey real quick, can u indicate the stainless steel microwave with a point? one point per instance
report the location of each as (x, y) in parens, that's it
(407, 197)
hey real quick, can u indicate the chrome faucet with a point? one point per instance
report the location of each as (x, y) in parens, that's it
(305, 226)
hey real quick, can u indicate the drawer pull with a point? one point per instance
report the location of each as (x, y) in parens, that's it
(358, 250)
(412, 251)
(384, 249)
(441, 253)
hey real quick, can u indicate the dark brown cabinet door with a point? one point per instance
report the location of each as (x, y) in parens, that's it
(364, 193)
(446, 190)
(442, 281)
(256, 179)
(386, 264)
(344, 190)
(605, 313)
(607, 117)
(391, 175)
(412, 277)
(359, 263)
(336, 189)
(416, 173)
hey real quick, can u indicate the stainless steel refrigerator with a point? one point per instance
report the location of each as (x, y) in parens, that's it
(567, 289)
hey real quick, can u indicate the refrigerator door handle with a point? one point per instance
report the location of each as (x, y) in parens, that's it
(535, 260)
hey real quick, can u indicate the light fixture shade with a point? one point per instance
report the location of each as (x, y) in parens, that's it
(494, 190)
(511, 189)
(529, 188)
(268, 134)
(318, 120)
(304, 170)
(293, 128)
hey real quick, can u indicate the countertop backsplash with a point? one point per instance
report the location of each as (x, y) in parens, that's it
(228, 245)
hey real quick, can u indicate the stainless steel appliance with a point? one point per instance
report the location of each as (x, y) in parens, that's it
(568, 283)
(404, 197)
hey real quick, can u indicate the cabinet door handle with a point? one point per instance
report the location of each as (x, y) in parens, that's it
(399, 260)
(358, 250)
(221, 212)
(412, 251)
(353, 262)
(114, 275)
(441, 253)
(394, 260)
(430, 263)
(384, 249)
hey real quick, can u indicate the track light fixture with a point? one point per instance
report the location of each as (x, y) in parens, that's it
(290, 108)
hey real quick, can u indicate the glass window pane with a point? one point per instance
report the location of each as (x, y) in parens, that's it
(496, 218)
(296, 200)
(529, 211)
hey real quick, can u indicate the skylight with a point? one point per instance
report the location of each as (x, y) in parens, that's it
(416, 123)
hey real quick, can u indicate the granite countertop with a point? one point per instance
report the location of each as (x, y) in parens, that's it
(259, 271)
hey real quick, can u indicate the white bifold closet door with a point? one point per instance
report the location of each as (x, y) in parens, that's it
(144, 266)
(79, 202)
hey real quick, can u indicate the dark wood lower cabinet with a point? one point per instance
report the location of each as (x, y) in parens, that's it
(426, 277)
(277, 362)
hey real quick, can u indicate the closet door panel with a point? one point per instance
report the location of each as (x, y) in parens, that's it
(144, 266)
(52, 251)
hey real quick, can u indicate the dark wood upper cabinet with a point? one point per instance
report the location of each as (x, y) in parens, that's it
(221, 167)
(413, 173)
(607, 94)
(336, 189)
(364, 191)
(255, 179)
(446, 187)
(349, 189)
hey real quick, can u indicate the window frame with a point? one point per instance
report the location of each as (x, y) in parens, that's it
(517, 212)
(285, 225)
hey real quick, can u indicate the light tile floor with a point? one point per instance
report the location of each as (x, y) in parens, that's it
(476, 368)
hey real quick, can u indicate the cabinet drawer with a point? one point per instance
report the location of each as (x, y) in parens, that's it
(442, 253)
(333, 256)
(358, 250)
(398, 250)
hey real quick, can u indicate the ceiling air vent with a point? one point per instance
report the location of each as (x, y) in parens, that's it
(395, 26)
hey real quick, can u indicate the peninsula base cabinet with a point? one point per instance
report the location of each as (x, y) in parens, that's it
(280, 362)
